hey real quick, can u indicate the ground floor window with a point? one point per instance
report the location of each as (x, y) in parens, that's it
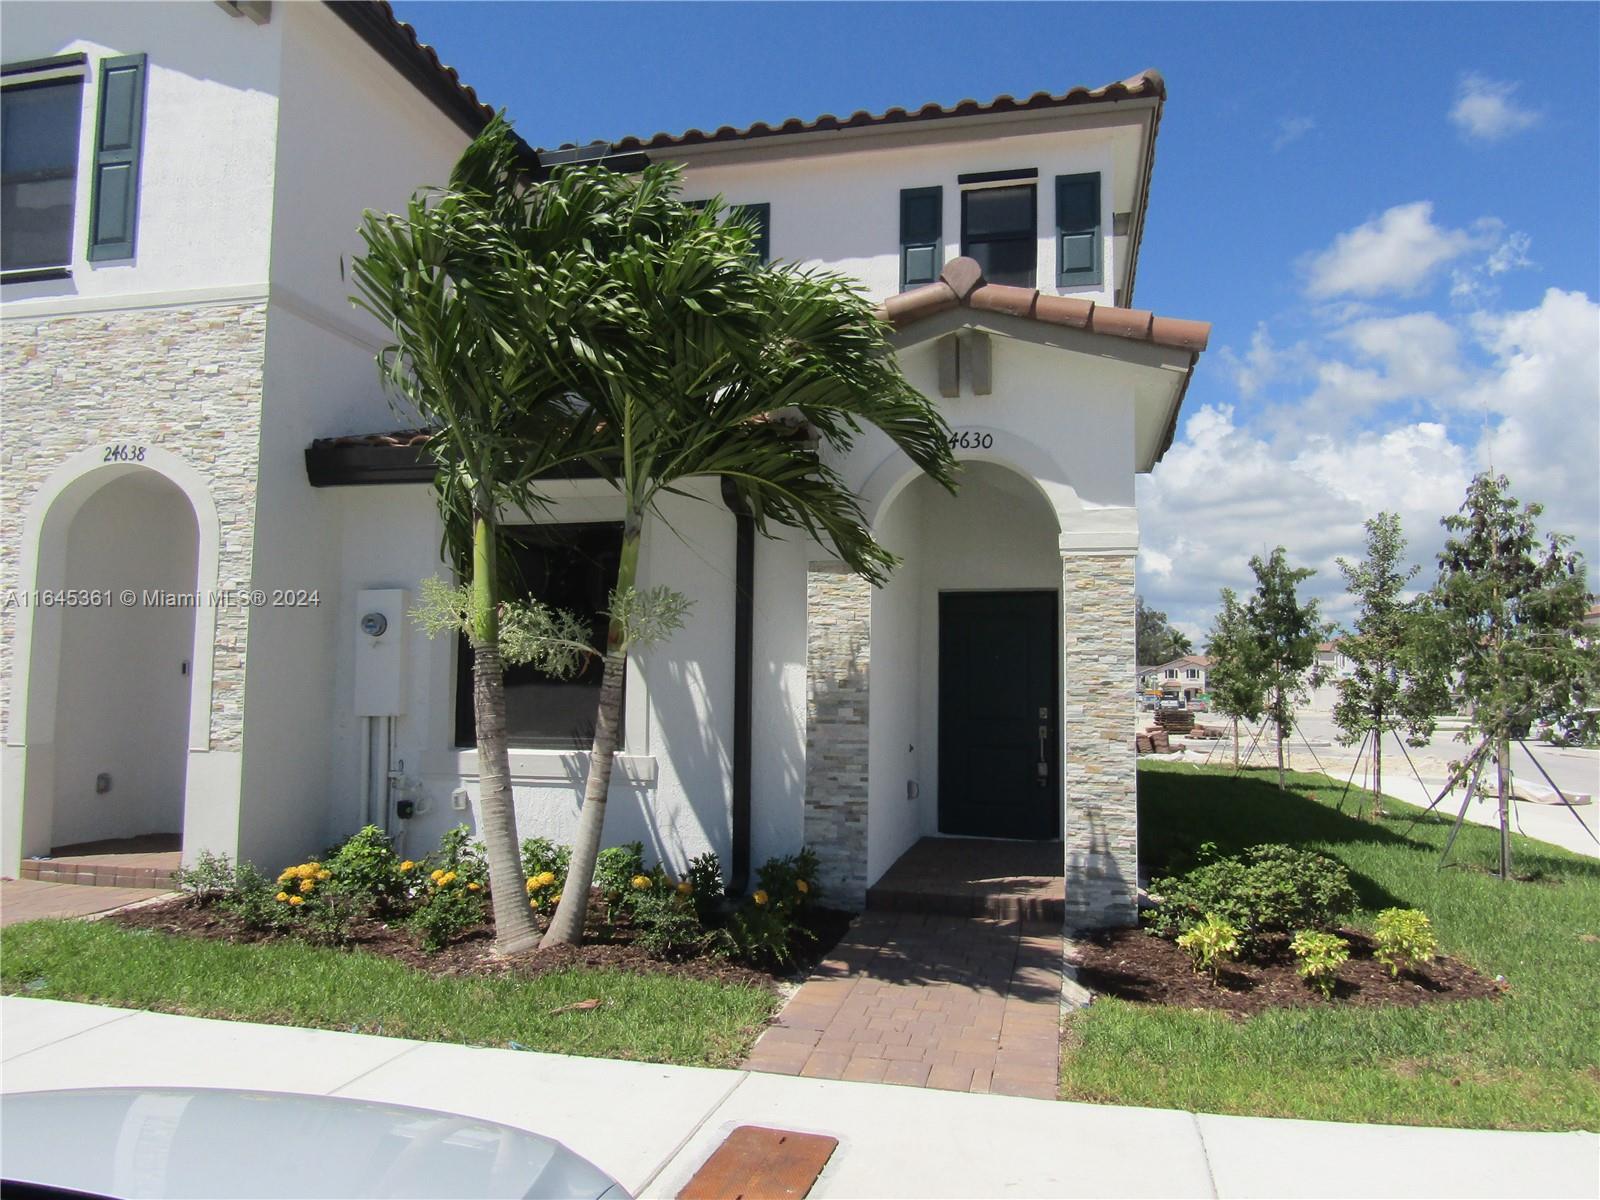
(566, 566)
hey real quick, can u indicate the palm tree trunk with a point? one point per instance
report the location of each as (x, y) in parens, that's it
(567, 924)
(497, 817)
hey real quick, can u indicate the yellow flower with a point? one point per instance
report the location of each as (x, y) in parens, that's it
(802, 885)
(281, 897)
(436, 876)
(760, 898)
(532, 885)
(307, 884)
(324, 875)
(685, 888)
(556, 899)
(306, 870)
(297, 900)
(408, 865)
(545, 878)
(534, 903)
(447, 877)
(474, 887)
(285, 875)
(641, 882)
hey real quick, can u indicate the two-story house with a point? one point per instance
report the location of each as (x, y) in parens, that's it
(981, 693)
(1184, 675)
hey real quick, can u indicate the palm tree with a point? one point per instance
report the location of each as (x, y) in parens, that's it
(704, 362)
(446, 280)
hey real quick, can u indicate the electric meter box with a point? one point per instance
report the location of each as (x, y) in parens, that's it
(379, 630)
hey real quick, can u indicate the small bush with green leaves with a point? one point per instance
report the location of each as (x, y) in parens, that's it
(791, 881)
(706, 885)
(615, 869)
(541, 856)
(451, 904)
(459, 854)
(665, 923)
(1404, 938)
(1210, 942)
(1270, 888)
(254, 901)
(211, 879)
(366, 868)
(1320, 957)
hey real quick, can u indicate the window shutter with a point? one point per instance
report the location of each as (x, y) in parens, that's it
(1080, 252)
(118, 137)
(921, 234)
(763, 221)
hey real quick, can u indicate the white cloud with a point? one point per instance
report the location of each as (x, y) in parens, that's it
(1515, 390)
(1398, 251)
(1292, 129)
(1486, 110)
(1475, 284)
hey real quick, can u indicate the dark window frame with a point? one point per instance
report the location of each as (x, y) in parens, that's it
(15, 77)
(531, 539)
(1031, 236)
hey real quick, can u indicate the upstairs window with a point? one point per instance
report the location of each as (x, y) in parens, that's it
(761, 216)
(565, 566)
(1000, 228)
(1191, 673)
(41, 105)
(1079, 247)
(921, 235)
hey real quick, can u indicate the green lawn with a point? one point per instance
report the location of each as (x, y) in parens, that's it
(1529, 1060)
(655, 1018)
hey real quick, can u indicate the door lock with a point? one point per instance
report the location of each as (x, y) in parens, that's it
(1043, 770)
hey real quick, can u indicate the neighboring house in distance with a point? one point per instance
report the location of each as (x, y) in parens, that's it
(1186, 674)
(204, 412)
(1331, 666)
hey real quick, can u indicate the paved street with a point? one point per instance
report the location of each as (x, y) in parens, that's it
(651, 1127)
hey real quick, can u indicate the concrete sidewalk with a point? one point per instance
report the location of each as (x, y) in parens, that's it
(651, 1126)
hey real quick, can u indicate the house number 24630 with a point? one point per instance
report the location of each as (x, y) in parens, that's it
(124, 454)
(967, 439)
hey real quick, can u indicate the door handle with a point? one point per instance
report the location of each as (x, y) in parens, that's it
(1043, 770)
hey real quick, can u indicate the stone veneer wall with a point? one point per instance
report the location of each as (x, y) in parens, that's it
(185, 379)
(1102, 817)
(838, 653)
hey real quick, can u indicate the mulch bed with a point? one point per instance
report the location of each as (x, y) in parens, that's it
(472, 953)
(1135, 965)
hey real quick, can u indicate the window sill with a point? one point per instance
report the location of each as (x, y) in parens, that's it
(549, 767)
(36, 275)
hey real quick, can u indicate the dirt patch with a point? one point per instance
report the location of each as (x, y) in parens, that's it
(472, 953)
(1134, 965)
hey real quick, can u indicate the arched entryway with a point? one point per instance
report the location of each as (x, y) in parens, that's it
(117, 644)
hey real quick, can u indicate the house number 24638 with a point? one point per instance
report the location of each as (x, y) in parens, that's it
(124, 454)
(967, 439)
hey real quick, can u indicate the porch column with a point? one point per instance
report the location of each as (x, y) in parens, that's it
(838, 652)
(1101, 825)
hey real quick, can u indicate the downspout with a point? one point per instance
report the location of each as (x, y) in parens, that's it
(744, 573)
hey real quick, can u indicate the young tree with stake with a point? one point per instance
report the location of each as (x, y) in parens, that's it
(1285, 634)
(1234, 678)
(1397, 684)
(1510, 605)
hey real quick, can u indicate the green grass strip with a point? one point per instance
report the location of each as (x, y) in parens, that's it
(1529, 1060)
(648, 1017)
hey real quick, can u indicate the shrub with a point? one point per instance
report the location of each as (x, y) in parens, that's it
(544, 891)
(451, 904)
(790, 882)
(1404, 938)
(460, 855)
(1210, 942)
(1269, 889)
(615, 868)
(541, 856)
(705, 884)
(1321, 955)
(666, 925)
(253, 901)
(212, 878)
(367, 870)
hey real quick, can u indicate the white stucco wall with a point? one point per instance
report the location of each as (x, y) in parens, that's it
(206, 173)
(842, 209)
(124, 670)
(896, 753)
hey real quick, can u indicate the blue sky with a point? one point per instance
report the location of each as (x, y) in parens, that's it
(1390, 212)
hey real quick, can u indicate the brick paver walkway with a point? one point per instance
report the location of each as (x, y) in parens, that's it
(969, 1004)
(29, 899)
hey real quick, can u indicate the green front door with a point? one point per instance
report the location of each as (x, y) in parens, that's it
(999, 761)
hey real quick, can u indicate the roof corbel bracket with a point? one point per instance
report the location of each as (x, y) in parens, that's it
(979, 354)
(949, 366)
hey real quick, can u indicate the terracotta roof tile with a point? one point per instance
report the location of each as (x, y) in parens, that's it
(957, 280)
(1147, 84)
